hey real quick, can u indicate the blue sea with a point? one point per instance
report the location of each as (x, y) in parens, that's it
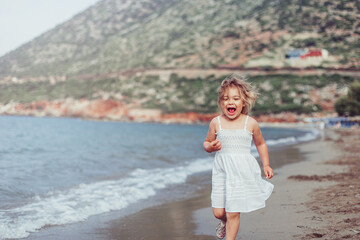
(57, 171)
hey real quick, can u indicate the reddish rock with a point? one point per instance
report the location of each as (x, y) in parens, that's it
(144, 115)
(102, 108)
(19, 107)
(190, 117)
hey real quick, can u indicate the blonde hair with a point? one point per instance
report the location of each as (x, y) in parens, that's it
(247, 92)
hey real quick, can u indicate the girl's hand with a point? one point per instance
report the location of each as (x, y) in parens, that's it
(269, 173)
(215, 145)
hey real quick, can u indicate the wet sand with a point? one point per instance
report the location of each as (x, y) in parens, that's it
(305, 203)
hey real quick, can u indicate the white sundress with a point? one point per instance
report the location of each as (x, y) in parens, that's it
(237, 184)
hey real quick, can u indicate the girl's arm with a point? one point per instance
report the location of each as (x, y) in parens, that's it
(211, 144)
(262, 150)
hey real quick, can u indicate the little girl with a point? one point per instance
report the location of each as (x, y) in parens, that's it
(237, 185)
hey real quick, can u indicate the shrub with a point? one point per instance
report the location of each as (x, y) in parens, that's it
(350, 104)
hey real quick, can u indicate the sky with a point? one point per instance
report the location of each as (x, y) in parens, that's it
(23, 20)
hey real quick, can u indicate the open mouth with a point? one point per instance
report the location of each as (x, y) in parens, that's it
(231, 110)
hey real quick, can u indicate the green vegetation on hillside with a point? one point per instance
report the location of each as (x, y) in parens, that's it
(349, 104)
(36, 91)
(278, 93)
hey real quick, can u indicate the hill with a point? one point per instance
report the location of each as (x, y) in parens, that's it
(142, 59)
(116, 35)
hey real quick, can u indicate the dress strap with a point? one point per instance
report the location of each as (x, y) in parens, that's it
(219, 122)
(247, 116)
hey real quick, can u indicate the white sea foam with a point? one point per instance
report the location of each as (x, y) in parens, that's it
(85, 200)
(311, 135)
(281, 141)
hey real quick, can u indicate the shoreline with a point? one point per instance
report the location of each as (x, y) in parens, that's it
(190, 218)
(284, 216)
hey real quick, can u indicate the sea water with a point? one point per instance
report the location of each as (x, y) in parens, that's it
(58, 171)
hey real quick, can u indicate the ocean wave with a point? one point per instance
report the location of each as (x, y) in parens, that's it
(312, 135)
(308, 136)
(85, 200)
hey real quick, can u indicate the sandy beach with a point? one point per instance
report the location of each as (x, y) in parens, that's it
(308, 201)
(316, 196)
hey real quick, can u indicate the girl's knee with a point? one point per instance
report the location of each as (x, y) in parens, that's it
(219, 213)
(232, 215)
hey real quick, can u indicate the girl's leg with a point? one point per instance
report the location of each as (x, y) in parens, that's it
(232, 225)
(220, 213)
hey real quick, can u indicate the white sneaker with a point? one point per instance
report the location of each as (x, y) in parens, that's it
(221, 230)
